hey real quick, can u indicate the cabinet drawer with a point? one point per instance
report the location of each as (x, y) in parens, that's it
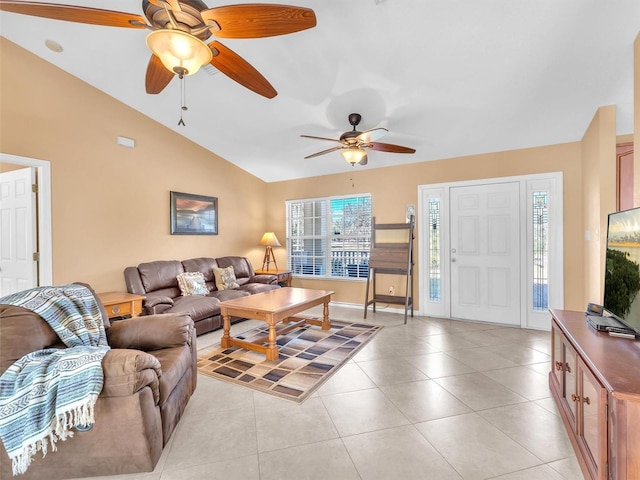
(118, 309)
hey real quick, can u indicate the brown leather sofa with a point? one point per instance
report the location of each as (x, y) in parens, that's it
(158, 282)
(149, 375)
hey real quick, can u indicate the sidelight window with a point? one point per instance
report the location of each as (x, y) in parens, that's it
(435, 278)
(540, 250)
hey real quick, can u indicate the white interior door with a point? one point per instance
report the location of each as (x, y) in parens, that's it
(485, 253)
(18, 232)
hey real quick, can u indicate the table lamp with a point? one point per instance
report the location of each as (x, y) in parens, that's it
(269, 240)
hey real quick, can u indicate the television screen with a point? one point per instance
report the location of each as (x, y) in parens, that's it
(622, 271)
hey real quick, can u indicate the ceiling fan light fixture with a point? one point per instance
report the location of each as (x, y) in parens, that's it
(180, 52)
(353, 155)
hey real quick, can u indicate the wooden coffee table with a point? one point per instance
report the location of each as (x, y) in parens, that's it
(273, 307)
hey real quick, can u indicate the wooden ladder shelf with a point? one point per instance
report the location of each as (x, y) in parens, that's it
(391, 258)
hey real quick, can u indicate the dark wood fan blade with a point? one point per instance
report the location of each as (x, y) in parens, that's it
(259, 20)
(372, 135)
(157, 77)
(329, 150)
(71, 13)
(238, 69)
(364, 161)
(387, 147)
(321, 138)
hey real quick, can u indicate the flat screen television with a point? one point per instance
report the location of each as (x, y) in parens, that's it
(622, 271)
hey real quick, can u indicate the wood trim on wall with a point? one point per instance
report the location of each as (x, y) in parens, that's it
(624, 176)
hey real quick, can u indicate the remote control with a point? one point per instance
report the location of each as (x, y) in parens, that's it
(622, 335)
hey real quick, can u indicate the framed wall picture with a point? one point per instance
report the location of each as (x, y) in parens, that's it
(193, 214)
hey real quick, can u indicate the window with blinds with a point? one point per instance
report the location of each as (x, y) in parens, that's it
(329, 237)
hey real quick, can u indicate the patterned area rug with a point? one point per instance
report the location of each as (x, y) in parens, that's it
(308, 357)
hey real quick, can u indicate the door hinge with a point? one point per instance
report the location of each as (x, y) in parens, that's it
(36, 256)
(34, 188)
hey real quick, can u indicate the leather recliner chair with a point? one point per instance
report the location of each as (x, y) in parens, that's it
(149, 375)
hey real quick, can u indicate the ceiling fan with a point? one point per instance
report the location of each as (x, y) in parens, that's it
(354, 144)
(179, 29)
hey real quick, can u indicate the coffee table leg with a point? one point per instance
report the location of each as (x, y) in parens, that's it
(272, 350)
(226, 327)
(326, 323)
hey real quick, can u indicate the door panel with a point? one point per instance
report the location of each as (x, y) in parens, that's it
(485, 263)
(18, 270)
(498, 233)
(469, 235)
(498, 287)
(469, 286)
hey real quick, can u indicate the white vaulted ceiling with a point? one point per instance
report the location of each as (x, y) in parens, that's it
(446, 77)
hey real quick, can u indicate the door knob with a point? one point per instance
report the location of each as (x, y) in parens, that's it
(453, 260)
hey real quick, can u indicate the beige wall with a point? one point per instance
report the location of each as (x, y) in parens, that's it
(110, 204)
(395, 187)
(599, 196)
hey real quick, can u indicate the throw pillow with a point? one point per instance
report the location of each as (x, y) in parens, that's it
(225, 278)
(192, 283)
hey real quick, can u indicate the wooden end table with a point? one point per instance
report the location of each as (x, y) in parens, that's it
(121, 304)
(284, 276)
(273, 307)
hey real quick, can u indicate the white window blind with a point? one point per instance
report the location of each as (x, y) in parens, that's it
(330, 236)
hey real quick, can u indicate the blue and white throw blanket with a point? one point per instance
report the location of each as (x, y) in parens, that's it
(46, 393)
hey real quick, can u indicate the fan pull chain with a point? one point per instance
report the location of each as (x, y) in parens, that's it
(183, 106)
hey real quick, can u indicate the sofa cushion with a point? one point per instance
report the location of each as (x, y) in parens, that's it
(241, 267)
(197, 306)
(174, 363)
(160, 275)
(203, 265)
(225, 278)
(128, 371)
(253, 288)
(192, 283)
(224, 295)
(151, 332)
(27, 326)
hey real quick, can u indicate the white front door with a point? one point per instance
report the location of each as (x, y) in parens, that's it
(485, 253)
(18, 231)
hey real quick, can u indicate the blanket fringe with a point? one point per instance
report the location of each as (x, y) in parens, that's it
(61, 429)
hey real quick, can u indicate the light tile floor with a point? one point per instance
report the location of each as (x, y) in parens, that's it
(433, 399)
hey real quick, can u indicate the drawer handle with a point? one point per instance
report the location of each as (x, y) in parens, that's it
(559, 366)
(575, 397)
(115, 309)
(567, 367)
(586, 400)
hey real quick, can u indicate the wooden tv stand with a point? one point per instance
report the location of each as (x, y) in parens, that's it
(595, 381)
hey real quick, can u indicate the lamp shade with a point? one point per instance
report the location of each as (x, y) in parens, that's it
(353, 155)
(269, 239)
(179, 52)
